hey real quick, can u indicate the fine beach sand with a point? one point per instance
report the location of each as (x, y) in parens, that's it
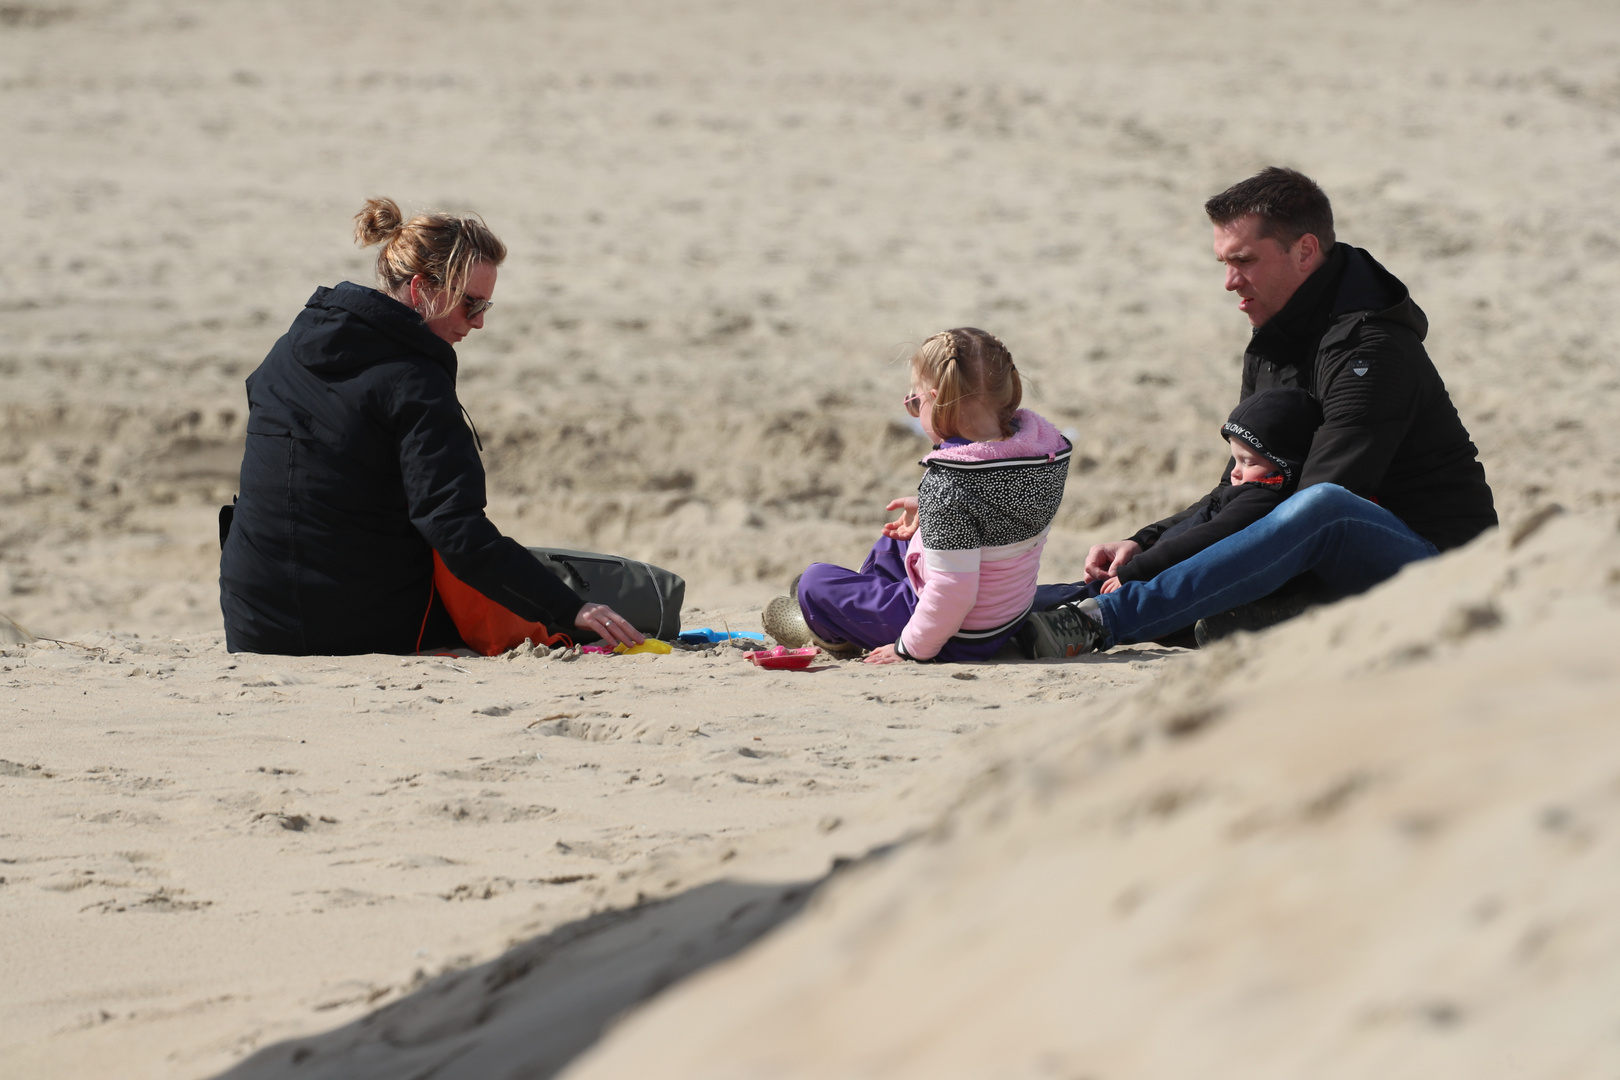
(1378, 841)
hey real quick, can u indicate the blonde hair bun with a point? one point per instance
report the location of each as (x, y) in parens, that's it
(442, 248)
(377, 221)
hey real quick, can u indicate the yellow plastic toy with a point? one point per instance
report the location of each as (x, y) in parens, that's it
(651, 645)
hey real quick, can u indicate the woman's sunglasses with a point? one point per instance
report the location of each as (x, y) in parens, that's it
(476, 308)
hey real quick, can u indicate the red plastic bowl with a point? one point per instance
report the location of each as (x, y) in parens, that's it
(786, 660)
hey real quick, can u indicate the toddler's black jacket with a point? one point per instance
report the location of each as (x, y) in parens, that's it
(1278, 424)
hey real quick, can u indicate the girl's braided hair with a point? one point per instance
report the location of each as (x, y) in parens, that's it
(963, 363)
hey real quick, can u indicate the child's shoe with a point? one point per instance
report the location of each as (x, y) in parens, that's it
(785, 622)
(837, 649)
(1067, 630)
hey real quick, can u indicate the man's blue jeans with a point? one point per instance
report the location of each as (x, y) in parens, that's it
(1349, 543)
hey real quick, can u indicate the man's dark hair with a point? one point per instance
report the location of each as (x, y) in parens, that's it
(1288, 204)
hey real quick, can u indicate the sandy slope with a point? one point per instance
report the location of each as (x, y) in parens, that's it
(224, 851)
(725, 221)
(1401, 865)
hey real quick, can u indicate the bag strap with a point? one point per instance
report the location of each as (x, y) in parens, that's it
(426, 612)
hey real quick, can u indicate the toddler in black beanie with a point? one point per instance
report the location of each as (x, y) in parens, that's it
(1270, 434)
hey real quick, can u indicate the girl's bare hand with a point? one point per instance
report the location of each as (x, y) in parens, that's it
(883, 654)
(905, 526)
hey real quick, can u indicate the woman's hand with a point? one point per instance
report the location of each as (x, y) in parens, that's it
(884, 654)
(1105, 560)
(607, 624)
(904, 527)
(1111, 585)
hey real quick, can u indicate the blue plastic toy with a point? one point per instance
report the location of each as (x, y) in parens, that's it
(704, 635)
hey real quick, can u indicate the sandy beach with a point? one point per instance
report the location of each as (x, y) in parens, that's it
(1379, 840)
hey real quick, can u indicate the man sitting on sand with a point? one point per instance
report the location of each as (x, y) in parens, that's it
(1391, 476)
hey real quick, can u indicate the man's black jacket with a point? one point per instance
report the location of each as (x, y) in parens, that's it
(358, 467)
(1352, 337)
(1389, 431)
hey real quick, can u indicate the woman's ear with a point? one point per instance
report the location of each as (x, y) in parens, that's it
(422, 298)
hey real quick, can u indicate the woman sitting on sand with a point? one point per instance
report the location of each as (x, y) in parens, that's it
(358, 465)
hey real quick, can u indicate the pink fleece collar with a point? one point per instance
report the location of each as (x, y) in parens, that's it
(1035, 437)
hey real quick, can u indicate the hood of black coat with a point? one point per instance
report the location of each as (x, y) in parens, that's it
(351, 327)
(1348, 287)
(1279, 424)
(1366, 287)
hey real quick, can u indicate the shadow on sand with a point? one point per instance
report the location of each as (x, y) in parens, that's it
(531, 1011)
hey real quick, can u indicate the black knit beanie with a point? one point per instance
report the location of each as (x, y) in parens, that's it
(1279, 424)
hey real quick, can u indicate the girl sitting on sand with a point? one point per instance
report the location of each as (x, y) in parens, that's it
(954, 576)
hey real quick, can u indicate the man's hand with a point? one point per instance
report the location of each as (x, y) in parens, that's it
(905, 526)
(883, 654)
(1106, 560)
(607, 624)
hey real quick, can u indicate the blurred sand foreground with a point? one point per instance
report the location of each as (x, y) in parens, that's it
(1380, 841)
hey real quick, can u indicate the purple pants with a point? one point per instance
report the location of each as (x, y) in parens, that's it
(870, 606)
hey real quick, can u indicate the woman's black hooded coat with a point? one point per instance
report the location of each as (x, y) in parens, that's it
(358, 467)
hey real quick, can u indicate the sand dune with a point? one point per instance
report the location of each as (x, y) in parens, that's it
(1395, 862)
(1382, 848)
(226, 851)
